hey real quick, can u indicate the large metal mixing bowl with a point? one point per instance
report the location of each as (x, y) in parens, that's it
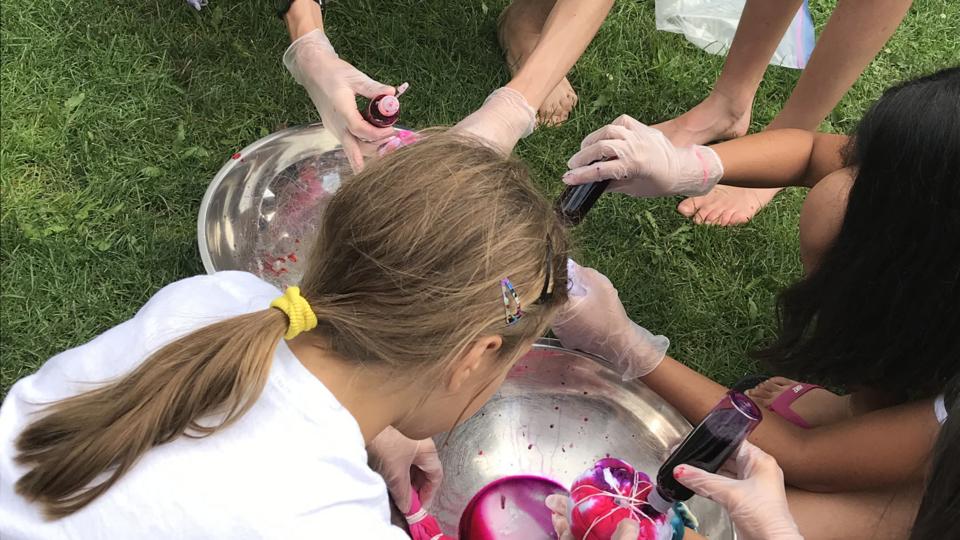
(558, 412)
(260, 211)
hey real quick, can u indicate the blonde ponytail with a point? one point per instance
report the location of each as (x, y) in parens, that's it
(218, 370)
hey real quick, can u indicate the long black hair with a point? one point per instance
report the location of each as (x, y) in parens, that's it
(939, 514)
(882, 309)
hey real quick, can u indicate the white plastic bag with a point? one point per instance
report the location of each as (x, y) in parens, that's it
(711, 24)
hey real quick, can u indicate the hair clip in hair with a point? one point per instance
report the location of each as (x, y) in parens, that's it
(508, 292)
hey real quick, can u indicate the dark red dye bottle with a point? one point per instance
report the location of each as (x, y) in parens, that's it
(707, 447)
(383, 111)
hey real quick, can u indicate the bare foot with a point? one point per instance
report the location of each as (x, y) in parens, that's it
(726, 205)
(818, 407)
(716, 118)
(519, 32)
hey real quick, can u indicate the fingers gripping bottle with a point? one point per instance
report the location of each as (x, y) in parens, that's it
(707, 447)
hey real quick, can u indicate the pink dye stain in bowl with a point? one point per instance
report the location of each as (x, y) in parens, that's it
(511, 508)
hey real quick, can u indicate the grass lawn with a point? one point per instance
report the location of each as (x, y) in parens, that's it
(115, 116)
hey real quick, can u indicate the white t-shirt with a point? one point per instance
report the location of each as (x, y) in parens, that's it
(294, 466)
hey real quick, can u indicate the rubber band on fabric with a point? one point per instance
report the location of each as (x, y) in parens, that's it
(299, 314)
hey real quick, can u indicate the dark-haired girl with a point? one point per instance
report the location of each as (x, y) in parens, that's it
(877, 311)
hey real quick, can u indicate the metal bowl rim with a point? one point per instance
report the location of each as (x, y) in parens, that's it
(225, 169)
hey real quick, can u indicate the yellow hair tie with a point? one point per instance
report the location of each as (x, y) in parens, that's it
(298, 311)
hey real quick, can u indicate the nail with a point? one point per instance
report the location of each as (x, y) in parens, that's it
(678, 471)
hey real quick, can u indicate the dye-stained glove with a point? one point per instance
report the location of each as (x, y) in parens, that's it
(640, 161)
(404, 462)
(504, 118)
(559, 505)
(333, 85)
(594, 321)
(755, 497)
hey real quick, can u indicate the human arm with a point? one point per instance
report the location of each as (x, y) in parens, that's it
(509, 113)
(568, 30)
(332, 83)
(642, 162)
(885, 447)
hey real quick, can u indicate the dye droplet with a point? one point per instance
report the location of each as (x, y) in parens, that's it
(562, 383)
(235, 156)
(551, 426)
(503, 502)
(564, 450)
(530, 446)
(585, 419)
(480, 453)
(608, 455)
(292, 257)
(556, 408)
(584, 393)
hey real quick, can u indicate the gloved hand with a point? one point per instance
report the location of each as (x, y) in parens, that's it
(594, 321)
(405, 462)
(642, 162)
(504, 118)
(755, 498)
(559, 505)
(333, 85)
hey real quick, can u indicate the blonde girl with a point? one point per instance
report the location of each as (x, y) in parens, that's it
(224, 409)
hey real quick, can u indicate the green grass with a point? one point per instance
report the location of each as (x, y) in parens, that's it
(115, 117)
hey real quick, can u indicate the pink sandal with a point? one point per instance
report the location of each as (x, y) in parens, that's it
(782, 404)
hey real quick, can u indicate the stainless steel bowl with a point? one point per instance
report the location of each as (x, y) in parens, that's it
(558, 412)
(260, 211)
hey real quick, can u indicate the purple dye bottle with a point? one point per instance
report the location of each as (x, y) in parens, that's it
(708, 446)
(575, 201)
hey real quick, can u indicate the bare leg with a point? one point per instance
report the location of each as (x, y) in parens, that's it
(876, 515)
(542, 39)
(853, 36)
(725, 113)
(519, 31)
(855, 33)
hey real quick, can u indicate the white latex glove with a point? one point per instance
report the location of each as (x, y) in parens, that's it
(333, 85)
(559, 505)
(755, 498)
(594, 321)
(642, 162)
(405, 462)
(504, 118)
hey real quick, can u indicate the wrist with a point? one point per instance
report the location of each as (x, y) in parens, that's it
(702, 170)
(303, 17)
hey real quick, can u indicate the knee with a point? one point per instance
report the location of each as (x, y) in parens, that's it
(822, 215)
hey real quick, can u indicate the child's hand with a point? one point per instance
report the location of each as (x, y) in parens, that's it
(594, 321)
(627, 529)
(642, 162)
(755, 497)
(405, 462)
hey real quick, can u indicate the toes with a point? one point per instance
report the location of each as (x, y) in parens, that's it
(556, 108)
(688, 206)
(711, 215)
(782, 382)
(738, 218)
